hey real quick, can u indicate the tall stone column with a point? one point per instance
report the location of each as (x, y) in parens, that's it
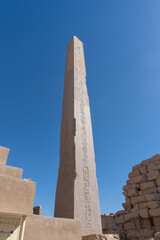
(77, 190)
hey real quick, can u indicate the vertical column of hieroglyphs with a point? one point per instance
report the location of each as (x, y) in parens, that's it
(86, 190)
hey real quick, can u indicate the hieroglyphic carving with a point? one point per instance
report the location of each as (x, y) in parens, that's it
(88, 213)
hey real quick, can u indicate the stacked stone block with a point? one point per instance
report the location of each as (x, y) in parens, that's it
(140, 218)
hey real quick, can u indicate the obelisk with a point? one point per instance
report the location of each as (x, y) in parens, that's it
(77, 190)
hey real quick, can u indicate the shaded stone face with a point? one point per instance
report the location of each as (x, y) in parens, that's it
(77, 190)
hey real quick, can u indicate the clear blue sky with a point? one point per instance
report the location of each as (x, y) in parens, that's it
(122, 51)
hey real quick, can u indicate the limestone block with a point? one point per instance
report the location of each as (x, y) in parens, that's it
(147, 233)
(147, 185)
(125, 187)
(152, 197)
(158, 189)
(148, 191)
(125, 194)
(147, 223)
(138, 166)
(155, 158)
(132, 192)
(128, 200)
(134, 173)
(131, 216)
(143, 170)
(126, 206)
(154, 166)
(106, 221)
(121, 212)
(157, 235)
(154, 212)
(133, 234)
(47, 228)
(135, 208)
(10, 171)
(137, 199)
(158, 182)
(16, 195)
(138, 179)
(128, 182)
(129, 226)
(156, 221)
(138, 224)
(145, 162)
(3, 155)
(153, 175)
(120, 220)
(153, 204)
(143, 205)
(144, 213)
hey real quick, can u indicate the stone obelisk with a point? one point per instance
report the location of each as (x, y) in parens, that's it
(77, 190)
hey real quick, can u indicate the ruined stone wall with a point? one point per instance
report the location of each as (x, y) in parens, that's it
(140, 218)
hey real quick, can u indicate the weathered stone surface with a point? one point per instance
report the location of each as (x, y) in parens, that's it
(131, 216)
(137, 199)
(3, 155)
(145, 162)
(148, 191)
(157, 235)
(120, 220)
(147, 233)
(77, 190)
(147, 185)
(147, 223)
(10, 171)
(107, 220)
(143, 205)
(17, 195)
(144, 213)
(155, 158)
(156, 221)
(154, 212)
(152, 197)
(158, 182)
(134, 173)
(101, 237)
(138, 179)
(47, 228)
(133, 234)
(132, 192)
(138, 166)
(153, 204)
(143, 170)
(129, 226)
(153, 175)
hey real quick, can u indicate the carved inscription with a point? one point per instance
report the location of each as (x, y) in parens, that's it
(88, 213)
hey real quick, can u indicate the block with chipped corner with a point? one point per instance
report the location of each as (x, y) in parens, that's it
(3, 155)
(47, 228)
(77, 189)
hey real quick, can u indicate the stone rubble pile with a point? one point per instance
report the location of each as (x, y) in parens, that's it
(141, 217)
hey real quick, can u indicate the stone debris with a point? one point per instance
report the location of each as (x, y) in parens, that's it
(140, 218)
